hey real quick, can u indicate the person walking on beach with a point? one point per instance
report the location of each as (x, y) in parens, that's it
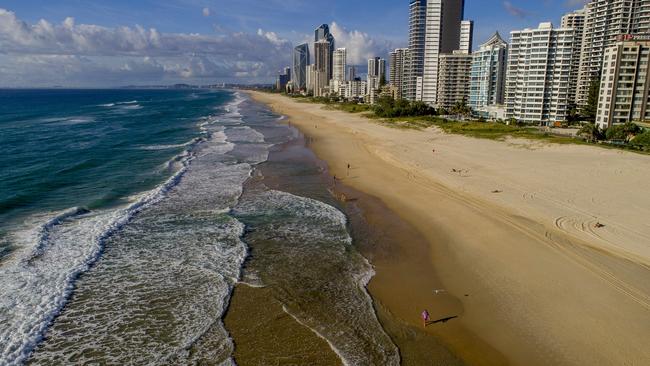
(425, 318)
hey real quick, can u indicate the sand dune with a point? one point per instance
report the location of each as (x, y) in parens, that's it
(513, 236)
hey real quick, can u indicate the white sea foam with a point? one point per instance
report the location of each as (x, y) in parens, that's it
(35, 287)
(205, 187)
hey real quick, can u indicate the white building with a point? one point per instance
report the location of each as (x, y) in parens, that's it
(539, 73)
(339, 64)
(576, 21)
(488, 73)
(605, 20)
(624, 84)
(466, 36)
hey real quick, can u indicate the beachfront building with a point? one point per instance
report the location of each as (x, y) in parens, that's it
(576, 21)
(538, 74)
(453, 79)
(605, 20)
(488, 73)
(309, 78)
(398, 59)
(625, 82)
(466, 36)
(434, 28)
(322, 33)
(300, 63)
(322, 64)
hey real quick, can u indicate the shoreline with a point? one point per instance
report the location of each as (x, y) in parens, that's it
(529, 291)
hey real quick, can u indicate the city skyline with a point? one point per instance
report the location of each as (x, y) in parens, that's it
(194, 41)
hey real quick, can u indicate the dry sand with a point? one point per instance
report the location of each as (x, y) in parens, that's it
(533, 281)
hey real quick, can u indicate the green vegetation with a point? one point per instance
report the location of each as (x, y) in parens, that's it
(642, 141)
(417, 115)
(589, 111)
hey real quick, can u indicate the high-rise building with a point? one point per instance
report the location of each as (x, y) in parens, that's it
(322, 33)
(398, 59)
(377, 68)
(453, 79)
(625, 84)
(466, 36)
(488, 73)
(339, 64)
(442, 35)
(352, 73)
(576, 21)
(605, 20)
(538, 74)
(310, 75)
(283, 79)
(322, 66)
(300, 62)
(417, 33)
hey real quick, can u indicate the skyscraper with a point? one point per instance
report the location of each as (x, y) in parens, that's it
(322, 33)
(300, 62)
(488, 73)
(340, 64)
(605, 20)
(322, 66)
(377, 68)
(434, 28)
(398, 59)
(538, 74)
(466, 36)
(576, 21)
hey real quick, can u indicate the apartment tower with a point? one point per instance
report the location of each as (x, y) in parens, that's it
(605, 21)
(398, 59)
(625, 84)
(538, 74)
(488, 73)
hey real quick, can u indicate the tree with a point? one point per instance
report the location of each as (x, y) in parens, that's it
(592, 132)
(642, 140)
(624, 132)
(589, 111)
(461, 109)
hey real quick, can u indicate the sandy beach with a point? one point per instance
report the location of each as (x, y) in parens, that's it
(509, 239)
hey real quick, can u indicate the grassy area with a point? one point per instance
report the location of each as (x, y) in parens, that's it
(476, 129)
(484, 130)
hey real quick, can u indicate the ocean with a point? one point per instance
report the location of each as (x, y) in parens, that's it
(128, 216)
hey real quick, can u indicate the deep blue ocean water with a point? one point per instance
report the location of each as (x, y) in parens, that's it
(63, 148)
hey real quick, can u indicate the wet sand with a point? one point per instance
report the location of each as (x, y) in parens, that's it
(530, 279)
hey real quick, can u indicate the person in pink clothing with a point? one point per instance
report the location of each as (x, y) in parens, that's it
(425, 318)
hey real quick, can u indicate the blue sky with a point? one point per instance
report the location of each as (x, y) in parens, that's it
(213, 40)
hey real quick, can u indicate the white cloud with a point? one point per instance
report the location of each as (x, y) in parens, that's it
(360, 46)
(85, 53)
(206, 12)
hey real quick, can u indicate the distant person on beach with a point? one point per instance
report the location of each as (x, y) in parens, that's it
(425, 318)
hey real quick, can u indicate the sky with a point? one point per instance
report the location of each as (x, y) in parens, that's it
(93, 43)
